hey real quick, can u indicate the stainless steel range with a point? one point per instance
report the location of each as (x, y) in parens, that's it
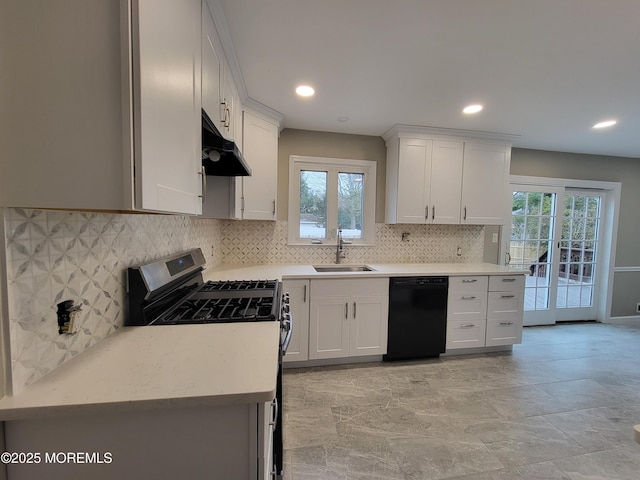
(171, 291)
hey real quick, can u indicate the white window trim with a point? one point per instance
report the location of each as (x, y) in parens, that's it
(332, 165)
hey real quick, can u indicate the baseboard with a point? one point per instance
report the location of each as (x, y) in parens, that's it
(631, 319)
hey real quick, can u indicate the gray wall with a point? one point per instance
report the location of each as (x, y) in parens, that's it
(332, 145)
(626, 292)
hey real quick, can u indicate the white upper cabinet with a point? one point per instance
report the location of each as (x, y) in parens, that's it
(484, 183)
(260, 149)
(439, 179)
(166, 51)
(212, 64)
(105, 108)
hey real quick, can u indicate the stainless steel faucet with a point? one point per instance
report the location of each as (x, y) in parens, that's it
(339, 246)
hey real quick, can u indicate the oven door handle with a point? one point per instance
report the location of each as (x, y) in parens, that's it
(287, 324)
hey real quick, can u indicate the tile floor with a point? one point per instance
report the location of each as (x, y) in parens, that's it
(561, 406)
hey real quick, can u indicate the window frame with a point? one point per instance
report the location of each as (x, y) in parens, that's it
(332, 166)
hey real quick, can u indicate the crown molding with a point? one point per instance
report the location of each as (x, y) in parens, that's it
(413, 130)
(220, 22)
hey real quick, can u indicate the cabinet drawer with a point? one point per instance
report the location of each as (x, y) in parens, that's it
(468, 283)
(467, 306)
(503, 332)
(502, 283)
(505, 305)
(465, 334)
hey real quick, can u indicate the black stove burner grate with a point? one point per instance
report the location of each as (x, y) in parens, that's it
(239, 285)
(244, 309)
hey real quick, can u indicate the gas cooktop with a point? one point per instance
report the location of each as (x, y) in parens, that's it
(171, 291)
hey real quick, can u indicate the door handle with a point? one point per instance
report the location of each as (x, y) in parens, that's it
(468, 298)
(304, 294)
(426, 212)
(354, 309)
(433, 212)
(507, 296)
(506, 323)
(346, 311)
(468, 325)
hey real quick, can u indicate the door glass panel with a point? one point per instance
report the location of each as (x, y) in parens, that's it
(578, 250)
(350, 204)
(313, 204)
(533, 220)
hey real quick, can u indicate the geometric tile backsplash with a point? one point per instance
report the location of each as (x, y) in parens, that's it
(255, 242)
(52, 256)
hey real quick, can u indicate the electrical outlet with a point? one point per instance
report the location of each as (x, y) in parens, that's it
(494, 238)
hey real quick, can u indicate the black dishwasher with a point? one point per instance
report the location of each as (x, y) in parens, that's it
(417, 317)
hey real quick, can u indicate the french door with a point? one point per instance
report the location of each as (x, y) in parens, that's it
(555, 236)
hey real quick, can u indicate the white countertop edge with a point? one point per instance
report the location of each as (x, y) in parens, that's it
(301, 271)
(26, 412)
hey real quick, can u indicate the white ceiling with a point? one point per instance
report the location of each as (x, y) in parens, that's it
(545, 70)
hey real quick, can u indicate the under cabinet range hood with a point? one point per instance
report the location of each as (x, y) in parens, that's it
(221, 157)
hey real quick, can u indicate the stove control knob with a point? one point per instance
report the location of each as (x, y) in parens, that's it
(285, 298)
(286, 308)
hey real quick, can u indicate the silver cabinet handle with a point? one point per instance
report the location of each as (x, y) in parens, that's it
(426, 212)
(507, 296)
(508, 279)
(304, 294)
(472, 280)
(274, 207)
(468, 325)
(204, 183)
(274, 413)
(506, 323)
(354, 309)
(465, 213)
(346, 311)
(433, 212)
(468, 298)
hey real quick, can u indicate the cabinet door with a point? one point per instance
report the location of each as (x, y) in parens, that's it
(446, 182)
(299, 301)
(329, 327)
(368, 326)
(413, 180)
(261, 152)
(211, 67)
(228, 105)
(167, 102)
(484, 183)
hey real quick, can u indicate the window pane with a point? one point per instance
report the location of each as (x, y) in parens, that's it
(313, 204)
(350, 204)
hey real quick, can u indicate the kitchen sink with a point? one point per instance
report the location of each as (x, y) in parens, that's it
(343, 268)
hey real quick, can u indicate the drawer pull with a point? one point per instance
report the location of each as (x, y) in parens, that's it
(506, 323)
(468, 298)
(468, 325)
(507, 296)
(508, 279)
(472, 280)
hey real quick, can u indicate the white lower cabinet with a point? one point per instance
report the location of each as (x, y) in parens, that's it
(484, 311)
(505, 310)
(467, 312)
(198, 443)
(267, 415)
(299, 292)
(348, 317)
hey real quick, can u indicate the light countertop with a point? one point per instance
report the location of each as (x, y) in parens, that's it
(158, 367)
(294, 271)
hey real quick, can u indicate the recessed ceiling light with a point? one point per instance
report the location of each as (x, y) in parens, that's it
(305, 91)
(472, 108)
(605, 124)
